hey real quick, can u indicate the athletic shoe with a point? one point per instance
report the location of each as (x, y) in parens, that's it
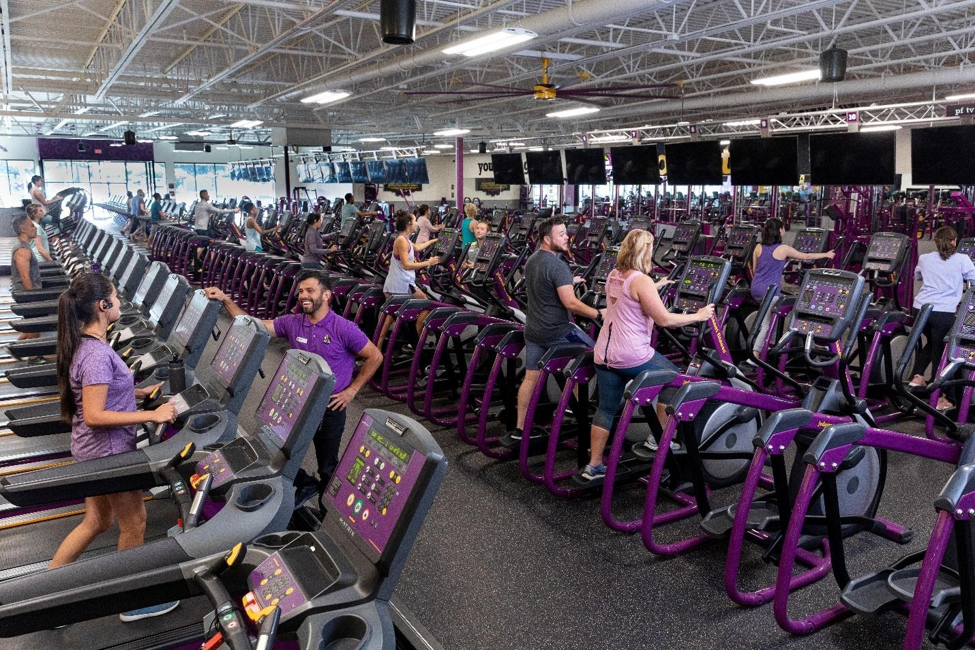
(148, 612)
(512, 438)
(650, 445)
(589, 473)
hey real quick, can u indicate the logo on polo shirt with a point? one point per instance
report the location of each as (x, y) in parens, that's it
(326, 339)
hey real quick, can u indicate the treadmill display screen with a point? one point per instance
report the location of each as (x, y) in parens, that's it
(128, 271)
(140, 293)
(285, 399)
(162, 300)
(683, 234)
(809, 241)
(231, 353)
(883, 252)
(190, 318)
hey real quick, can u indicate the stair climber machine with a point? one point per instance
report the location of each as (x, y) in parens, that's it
(207, 414)
(184, 346)
(683, 244)
(739, 246)
(226, 494)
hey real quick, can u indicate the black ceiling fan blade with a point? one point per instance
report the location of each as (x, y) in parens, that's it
(474, 99)
(487, 85)
(622, 88)
(466, 92)
(616, 95)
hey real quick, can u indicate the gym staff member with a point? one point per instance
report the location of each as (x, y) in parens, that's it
(339, 341)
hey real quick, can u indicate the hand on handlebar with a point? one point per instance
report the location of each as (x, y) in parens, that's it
(661, 283)
(213, 293)
(578, 280)
(165, 414)
(433, 261)
(830, 255)
(142, 393)
(705, 313)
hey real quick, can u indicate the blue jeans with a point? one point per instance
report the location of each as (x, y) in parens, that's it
(201, 232)
(535, 351)
(612, 382)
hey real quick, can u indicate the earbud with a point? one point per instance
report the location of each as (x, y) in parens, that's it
(106, 304)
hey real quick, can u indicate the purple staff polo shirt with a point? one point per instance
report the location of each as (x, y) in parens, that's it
(335, 339)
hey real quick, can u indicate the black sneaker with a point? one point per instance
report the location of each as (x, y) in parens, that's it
(512, 438)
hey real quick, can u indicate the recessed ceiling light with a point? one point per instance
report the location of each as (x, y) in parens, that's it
(790, 78)
(451, 132)
(327, 97)
(573, 112)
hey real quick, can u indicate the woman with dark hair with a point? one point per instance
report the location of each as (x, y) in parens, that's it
(252, 230)
(426, 228)
(315, 251)
(941, 273)
(98, 397)
(401, 278)
(769, 261)
(37, 195)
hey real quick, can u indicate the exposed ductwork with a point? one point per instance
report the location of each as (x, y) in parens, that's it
(578, 15)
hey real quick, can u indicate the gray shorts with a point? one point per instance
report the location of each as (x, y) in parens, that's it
(535, 351)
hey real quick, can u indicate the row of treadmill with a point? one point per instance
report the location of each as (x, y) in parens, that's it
(793, 438)
(223, 534)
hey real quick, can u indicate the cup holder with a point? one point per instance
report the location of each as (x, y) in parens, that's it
(125, 321)
(202, 423)
(277, 540)
(253, 496)
(141, 341)
(161, 373)
(344, 633)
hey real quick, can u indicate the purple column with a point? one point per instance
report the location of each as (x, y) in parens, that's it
(459, 154)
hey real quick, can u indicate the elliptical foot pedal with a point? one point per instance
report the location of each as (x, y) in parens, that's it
(963, 433)
(870, 595)
(536, 445)
(947, 586)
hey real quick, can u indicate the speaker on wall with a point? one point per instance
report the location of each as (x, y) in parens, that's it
(832, 64)
(129, 137)
(81, 147)
(482, 147)
(397, 19)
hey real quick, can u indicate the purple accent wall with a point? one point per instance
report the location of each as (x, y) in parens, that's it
(65, 149)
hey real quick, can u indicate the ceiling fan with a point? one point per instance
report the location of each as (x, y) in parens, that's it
(547, 91)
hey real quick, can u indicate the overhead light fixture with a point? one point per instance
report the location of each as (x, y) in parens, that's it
(536, 148)
(880, 127)
(611, 138)
(372, 139)
(246, 124)
(222, 147)
(150, 113)
(573, 112)
(327, 97)
(790, 78)
(168, 137)
(443, 146)
(430, 152)
(389, 148)
(244, 146)
(725, 142)
(197, 134)
(451, 132)
(142, 141)
(82, 110)
(492, 42)
(115, 144)
(744, 123)
(955, 98)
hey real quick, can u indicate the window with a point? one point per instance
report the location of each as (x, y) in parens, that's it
(14, 177)
(219, 181)
(100, 178)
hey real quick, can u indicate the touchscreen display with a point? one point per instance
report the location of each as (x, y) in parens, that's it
(825, 298)
(285, 398)
(188, 321)
(231, 353)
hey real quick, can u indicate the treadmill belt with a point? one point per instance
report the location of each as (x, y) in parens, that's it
(16, 448)
(30, 548)
(10, 392)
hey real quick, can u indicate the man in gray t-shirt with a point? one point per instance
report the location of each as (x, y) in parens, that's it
(550, 300)
(351, 211)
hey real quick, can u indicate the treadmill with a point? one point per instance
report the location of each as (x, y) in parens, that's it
(221, 390)
(244, 491)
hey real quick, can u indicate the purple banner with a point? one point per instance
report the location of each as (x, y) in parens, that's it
(65, 149)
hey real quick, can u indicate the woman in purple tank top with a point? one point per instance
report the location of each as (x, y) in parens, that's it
(623, 349)
(768, 263)
(98, 397)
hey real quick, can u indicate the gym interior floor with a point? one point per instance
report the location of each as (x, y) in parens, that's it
(501, 563)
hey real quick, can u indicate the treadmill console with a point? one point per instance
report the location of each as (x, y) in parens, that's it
(685, 237)
(150, 278)
(703, 282)
(161, 303)
(230, 355)
(966, 246)
(287, 416)
(885, 253)
(826, 302)
(191, 318)
(811, 240)
(741, 243)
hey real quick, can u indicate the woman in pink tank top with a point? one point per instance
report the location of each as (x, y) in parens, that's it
(623, 347)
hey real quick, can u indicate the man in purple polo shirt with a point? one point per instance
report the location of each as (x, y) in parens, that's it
(339, 341)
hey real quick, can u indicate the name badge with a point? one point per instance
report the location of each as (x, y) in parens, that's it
(301, 339)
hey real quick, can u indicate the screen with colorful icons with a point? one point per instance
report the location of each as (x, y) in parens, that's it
(285, 398)
(191, 316)
(231, 353)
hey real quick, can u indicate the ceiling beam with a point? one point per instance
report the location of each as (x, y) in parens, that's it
(6, 67)
(101, 37)
(210, 32)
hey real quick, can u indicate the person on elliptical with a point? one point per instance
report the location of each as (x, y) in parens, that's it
(941, 273)
(351, 211)
(427, 230)
(315, 251)
(98, 398)
(467, 225)
(252, 230)
(340, 342)
(550, 301)
(623, 350)
(769, 260)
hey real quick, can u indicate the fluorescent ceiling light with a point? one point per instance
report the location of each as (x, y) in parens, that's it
(443, 146)
(724, 142)
(954, 98)
(109, 127)
(536, 148)
(168, 137)
(150, 113)
(81, 110)
(244, 146)
(451, 132)
(612, 138)
(246, 124)
(744, 123)
(880, 127)
(389, 148)
(197, 134)
(430, 152)
(327, 97)
(572, 112)
(492, 42)
(115, 144)
(222, 148)
(372, 139)
(143, 141)
(790, 78)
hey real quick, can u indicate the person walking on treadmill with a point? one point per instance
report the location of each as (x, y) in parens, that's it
(339, 341)
(202, 212)
(550, 301)
(40, 245)
(25, 272)
(37, 195)
(98, 397)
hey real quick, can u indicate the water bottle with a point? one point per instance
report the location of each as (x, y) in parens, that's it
(177, 375)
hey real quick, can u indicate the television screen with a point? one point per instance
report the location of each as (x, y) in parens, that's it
(943, 155)
(396, 171)
(416, 170)
(852, 158)
(585, 166)
(545, 167)
(508, 168)
(360, 172)
(764, 161)
(635, 165)
(327, 172)
(377, 171)
(694, 163)
(342, 173)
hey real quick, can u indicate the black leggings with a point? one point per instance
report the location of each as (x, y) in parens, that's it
(935, 331)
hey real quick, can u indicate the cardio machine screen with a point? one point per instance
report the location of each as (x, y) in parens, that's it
(700, 277)
(638, 224)
(486, 251)
(597, 229)
(130, 267)
(231, 353)
(967, 247)
(140, 293)
(162, 300)
(188, 321)
(682, 238)
(829, 298)
(285, 399)
(883, 252)
(809, 242)
(446, 241)
(739, 239)
(606, 264)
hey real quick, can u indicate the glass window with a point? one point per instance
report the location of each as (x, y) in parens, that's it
(57, 171)
(184, 179)
(14, 177)
(159, 173)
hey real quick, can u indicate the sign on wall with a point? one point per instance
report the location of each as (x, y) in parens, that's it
(402, 187)
(489, 187)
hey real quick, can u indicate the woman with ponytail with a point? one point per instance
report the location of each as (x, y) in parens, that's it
(98, 397)
(37, 195)
(769, 261)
